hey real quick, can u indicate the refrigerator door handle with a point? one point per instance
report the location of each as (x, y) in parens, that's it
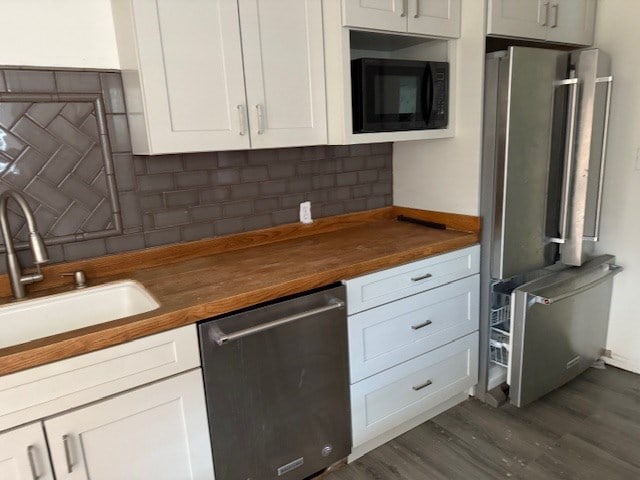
(611, 271)
(569, 160)
(607, 111)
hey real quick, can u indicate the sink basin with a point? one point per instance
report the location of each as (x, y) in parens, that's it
(28, 320)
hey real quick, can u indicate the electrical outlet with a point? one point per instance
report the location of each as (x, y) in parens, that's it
(305, 212)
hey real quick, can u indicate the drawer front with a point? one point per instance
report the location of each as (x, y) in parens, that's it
(399, 331)
(388, 285)
(390, 398)
(52, 388)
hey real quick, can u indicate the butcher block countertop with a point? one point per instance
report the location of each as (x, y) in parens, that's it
(198, 280)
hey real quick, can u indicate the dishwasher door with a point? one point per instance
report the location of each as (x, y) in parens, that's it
(558, 327)
(277, 388)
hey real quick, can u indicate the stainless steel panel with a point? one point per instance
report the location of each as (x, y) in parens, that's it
(524, 148)
(278, 399)
(559, 327)
(585, 194)
(487, 207)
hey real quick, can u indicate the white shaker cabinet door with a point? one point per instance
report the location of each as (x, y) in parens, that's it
(572, 21)
(518, 18)
(434, 17)
(156, 432)
(23, 454)
(388, 15)
(191, 76)
(283, 50)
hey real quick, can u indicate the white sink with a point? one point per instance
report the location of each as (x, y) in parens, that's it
(28, 320)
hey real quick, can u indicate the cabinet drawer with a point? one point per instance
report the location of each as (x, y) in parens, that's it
(390, 398)
(52, 388)
(388, 285)
(393, 333)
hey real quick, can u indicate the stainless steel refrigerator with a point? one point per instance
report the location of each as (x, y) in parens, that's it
(544, 297)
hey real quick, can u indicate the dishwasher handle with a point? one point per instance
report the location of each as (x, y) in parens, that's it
(217, 335)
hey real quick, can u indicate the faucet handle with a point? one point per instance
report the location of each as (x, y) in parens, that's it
(79, 277)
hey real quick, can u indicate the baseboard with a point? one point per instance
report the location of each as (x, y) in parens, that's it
(632, 365)
(366, 447)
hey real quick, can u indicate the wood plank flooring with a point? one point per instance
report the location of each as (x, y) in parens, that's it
(587, 430)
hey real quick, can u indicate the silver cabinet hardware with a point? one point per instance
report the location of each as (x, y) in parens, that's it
(221, 338)
(554, 9)
(421, 277)
(403, 11)
(260, 117)
(68, 454)
(421, 325)
(422, 385)
(242, 120)
(32, 452)
(543, 19)
(416, 14)
(79, 278)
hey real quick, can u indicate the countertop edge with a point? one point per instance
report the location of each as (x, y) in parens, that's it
(42, 351)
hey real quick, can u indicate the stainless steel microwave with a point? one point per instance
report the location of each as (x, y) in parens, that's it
(395, 95)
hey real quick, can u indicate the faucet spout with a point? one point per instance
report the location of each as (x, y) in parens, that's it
(38, 249)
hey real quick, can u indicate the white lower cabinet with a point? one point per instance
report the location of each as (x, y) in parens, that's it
(392, 397)
(135, 411)
(23, 454)
(413, 344)
(158, 431)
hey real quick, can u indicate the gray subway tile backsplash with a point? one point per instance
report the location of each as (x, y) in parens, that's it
(166, 198)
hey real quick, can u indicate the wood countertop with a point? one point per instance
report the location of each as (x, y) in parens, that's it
(203, 279)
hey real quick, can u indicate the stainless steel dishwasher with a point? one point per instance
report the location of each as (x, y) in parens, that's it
(277, 386)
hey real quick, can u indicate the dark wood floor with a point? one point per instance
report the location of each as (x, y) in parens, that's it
(588, 429)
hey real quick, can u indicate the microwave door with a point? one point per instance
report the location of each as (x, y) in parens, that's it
(559, 328)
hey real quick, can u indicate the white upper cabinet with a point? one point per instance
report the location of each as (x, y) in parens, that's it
(517, 18)
(559, 21)
(207, 75)
(434, 17)
(23, 454)
(282, 42)
(158, 432)
(572, 21)
(440, 18)
(378, 14)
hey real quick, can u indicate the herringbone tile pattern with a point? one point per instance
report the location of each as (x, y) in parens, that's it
(53, 156)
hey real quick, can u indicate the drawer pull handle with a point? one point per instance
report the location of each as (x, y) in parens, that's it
(32, 452)
(66, 442)
(421, 277)
(421, 325)
(422, 385)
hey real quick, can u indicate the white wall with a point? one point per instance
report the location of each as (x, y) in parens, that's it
(58, 33)
(444, 174)
(617, 34)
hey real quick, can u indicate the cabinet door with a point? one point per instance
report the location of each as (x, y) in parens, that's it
(518, 18)
(190, 60)
(379, 14)
(23, 454)
(572, 21)
(435, 17)
(155, 432)
(282, 43)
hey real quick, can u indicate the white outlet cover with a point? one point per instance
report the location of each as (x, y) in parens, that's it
(305, 212)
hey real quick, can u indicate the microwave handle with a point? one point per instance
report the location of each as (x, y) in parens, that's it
(427, 100)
